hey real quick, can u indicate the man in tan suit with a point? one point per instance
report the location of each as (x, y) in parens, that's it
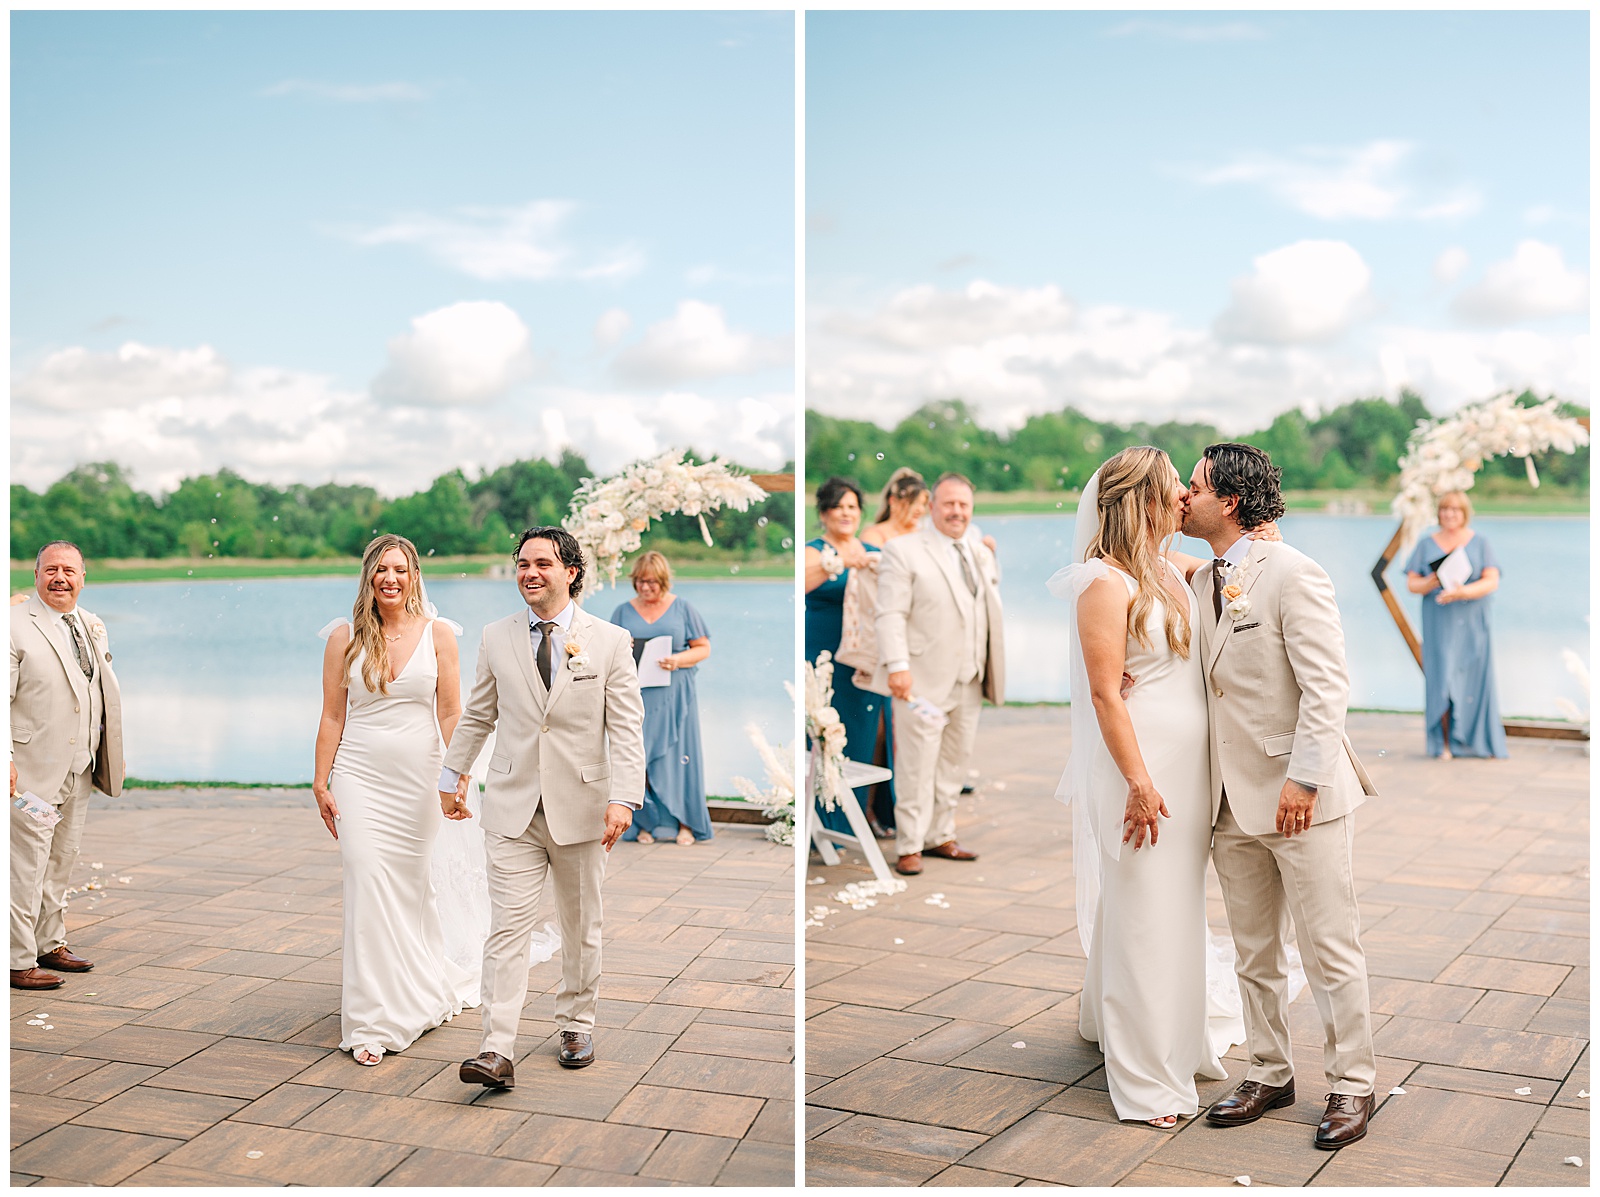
(66, 739)
(941, 641)
(1284, 781)
(561, 691)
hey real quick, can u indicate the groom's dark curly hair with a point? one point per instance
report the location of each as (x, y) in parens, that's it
(567, 548)
(1248, 474)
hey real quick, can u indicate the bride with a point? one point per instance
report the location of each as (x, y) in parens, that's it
(1140, 783)
(391, 686)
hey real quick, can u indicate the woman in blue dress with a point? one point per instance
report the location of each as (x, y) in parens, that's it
(1462, 709)
(675, 789)
(827, 574)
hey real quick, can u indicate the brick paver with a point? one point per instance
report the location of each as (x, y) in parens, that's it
(1474, 885)
(202, 1048)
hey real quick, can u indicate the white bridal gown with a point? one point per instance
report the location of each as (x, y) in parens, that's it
(398, 981)
(1145, 992)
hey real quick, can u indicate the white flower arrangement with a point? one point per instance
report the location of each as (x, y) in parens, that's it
(777, 800)
(608, 515)
(577, 659)
(826, 733)
(1445, 455)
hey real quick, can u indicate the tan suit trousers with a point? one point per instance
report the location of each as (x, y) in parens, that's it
(930, 766)
(1267, 881)
(518, 867)
(41, 866)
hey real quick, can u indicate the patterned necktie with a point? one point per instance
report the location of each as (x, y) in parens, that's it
(79, 647)
(548, 627)
(1217, 567)
(966, 569)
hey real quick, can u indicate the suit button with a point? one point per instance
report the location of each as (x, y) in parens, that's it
(74, 740)
(545, 730)
(1219, 691)
(75, 710)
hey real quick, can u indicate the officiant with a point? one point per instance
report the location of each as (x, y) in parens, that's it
(669, 641)
(1455, 572)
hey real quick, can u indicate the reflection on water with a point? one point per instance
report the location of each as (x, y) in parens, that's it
(1542, 606)
(222, 680)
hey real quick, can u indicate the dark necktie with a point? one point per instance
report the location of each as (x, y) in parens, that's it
(548, 627)
(79, 647)
(1217, 567)
(966, 569)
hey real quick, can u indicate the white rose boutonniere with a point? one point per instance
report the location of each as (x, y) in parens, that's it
(93, 625)
(577, 659)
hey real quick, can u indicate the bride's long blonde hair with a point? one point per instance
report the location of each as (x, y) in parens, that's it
(366, 631)
(1135, 517)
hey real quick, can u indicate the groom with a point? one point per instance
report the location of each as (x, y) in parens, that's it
(1284, 781)
(566, 776)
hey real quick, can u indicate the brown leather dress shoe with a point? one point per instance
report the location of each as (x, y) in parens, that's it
(951, 850)
(491, 1069)
(577, 1049)
(909, 865)
(63, 960)
(1248, 1102)
(1345, 1121)
(34, 978)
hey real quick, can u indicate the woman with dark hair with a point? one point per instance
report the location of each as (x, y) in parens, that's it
(904, 503)
(674, 778)
(1455, 572)
(829, 560)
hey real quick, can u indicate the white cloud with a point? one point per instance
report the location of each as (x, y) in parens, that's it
(1213, 31)
(1534, 282)
(1012, 352)
(1308, 291)
(349, 93)
(1451, 264)
(503, 243)
(612, 326)
(77, 379)
(696, 342)
(1356, 183)
(467, 353)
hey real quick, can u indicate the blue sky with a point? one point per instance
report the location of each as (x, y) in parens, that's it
(375, 246)
(1206, 214)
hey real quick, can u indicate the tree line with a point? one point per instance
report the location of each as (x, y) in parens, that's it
(1356, 445)
(226, 515)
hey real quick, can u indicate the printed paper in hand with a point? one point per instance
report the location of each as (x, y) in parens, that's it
(37, 809)
(650, 671)
(1455, 569)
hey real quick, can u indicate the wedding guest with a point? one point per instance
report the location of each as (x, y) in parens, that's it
(675, 788)
(901, 509)
(830, 558)
(940, 641)
(66, 740)
(1462, 710)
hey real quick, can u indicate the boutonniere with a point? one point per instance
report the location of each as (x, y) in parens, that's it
(93, 625)
(577, 659)
(1235, 602)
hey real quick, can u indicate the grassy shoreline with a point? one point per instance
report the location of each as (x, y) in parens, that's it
(167, 569)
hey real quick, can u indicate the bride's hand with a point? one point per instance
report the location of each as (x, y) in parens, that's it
(1145, 804)
(1267, 531)
(455, 805)
(327, 808)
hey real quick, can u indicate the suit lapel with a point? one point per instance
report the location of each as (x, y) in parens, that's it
(1256, 558)
(41, 616)
(577, 633)
(523, 651)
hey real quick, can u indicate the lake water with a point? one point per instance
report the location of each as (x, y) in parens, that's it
(1542, 606)
(221, 681)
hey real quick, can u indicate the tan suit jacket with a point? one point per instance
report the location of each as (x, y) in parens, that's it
(48, 692)
(925, 611)
(1278, 690)
(573, 747)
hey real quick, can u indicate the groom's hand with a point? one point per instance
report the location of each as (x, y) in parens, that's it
(455, 805)
(1294, 808)
(900, 684)
(618, 819)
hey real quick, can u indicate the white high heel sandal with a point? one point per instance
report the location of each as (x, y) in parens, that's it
(366, 1054)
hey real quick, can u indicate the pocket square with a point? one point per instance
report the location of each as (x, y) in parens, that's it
(1245, 627)
(586, 677)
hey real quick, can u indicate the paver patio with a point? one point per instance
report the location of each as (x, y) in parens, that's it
(202, 1048)
(1474, 885)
